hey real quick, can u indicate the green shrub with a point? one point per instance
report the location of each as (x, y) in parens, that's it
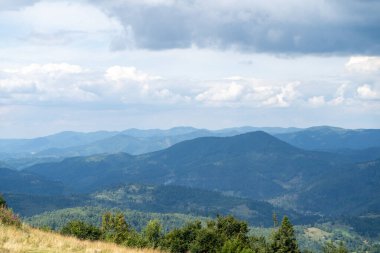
(179, 240)
(81, 230)
(207, 240)
(235, 246)
(330, 247)
(153, 233)
(115, 228)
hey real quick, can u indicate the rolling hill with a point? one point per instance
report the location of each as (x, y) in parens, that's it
(157, 199)
(25, 182)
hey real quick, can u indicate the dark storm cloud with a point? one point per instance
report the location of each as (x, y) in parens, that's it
(288, 27)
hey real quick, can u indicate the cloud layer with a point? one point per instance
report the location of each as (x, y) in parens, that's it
(279, 27)
(55, 83)
(285, 27)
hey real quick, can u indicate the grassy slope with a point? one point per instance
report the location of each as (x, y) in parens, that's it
(27, 239)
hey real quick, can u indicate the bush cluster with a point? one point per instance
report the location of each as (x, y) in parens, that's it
(81, 230)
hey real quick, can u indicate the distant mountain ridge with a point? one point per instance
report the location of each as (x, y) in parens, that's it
(22, 153)
(332, 138)
(137, 141)
(133, 141)
(179, 163)
(254, 165)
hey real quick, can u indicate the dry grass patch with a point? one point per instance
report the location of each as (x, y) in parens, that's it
(30, 240)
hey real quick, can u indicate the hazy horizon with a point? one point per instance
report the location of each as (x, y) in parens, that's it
(170, 128)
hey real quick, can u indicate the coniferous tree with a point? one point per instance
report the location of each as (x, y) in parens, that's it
(284, 240)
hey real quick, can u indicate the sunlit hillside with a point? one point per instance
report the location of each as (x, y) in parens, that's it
(27, 239)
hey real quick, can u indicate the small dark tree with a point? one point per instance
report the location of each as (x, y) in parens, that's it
(284, 240)
(275, 220)
(229, 228)
(3, 203)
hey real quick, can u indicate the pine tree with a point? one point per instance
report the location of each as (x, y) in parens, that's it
(284, 240)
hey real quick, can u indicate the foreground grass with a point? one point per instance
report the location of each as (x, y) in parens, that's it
(30, 240)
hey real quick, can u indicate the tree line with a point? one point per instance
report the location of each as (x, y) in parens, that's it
(224, 234)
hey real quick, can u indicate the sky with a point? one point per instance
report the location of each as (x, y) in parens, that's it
(117, 64)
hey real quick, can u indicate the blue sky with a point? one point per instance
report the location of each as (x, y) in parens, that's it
(112, 64)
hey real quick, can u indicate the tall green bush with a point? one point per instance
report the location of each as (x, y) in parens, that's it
(81, 230)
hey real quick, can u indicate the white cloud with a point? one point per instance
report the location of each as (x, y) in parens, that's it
(366, 92)
(151, 2)
(16, 85)
(341, 90)
(51, 82)
(52, 16)
(63, 83)
(284, 97)
(339, 96)
(221, 94)
(363, 64)
(337, 101)
(115, 86)
(238, 91)
(317, 101)
(119, 73)
(48, 69)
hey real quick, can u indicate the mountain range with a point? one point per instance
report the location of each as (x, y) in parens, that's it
(254, 165)
(22, 153)
(305, 173)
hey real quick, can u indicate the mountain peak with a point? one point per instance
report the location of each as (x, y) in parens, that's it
(258, 141)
